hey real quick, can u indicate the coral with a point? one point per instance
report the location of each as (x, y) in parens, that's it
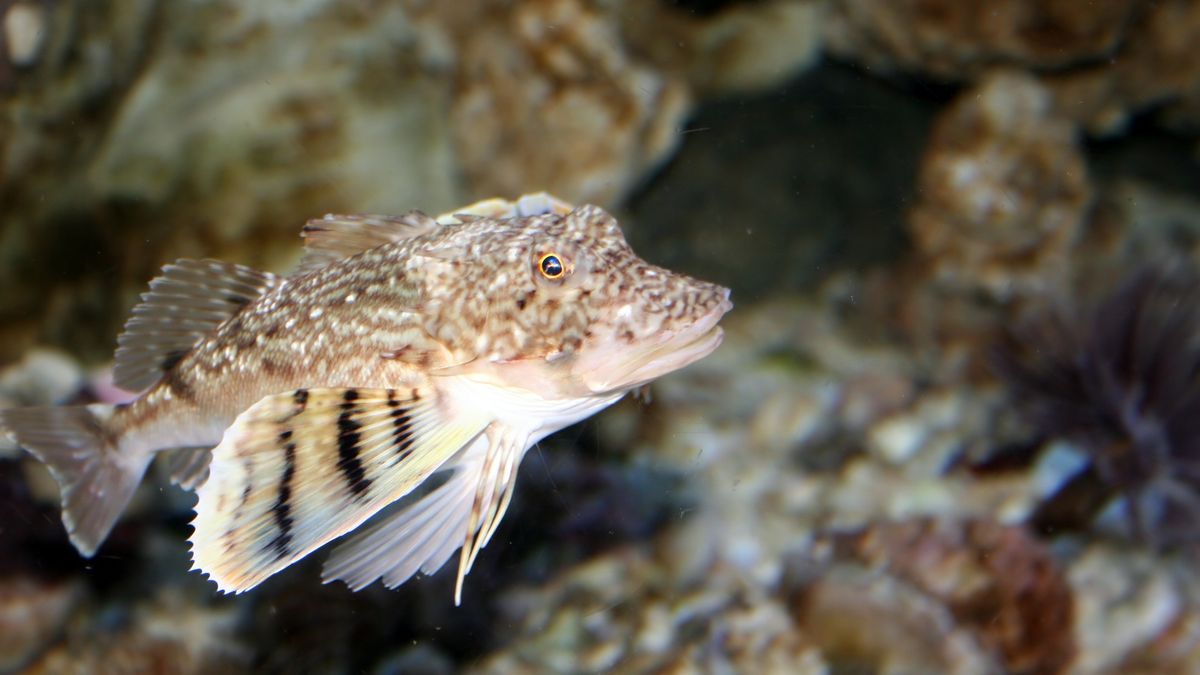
(1121, 382)
(1003, 189)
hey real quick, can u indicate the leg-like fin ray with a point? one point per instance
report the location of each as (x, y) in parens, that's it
(491, 497)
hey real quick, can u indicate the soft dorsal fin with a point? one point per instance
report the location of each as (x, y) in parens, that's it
(299, 469)
(338, 236)
(185, 303)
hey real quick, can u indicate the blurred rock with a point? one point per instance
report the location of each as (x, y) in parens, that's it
(1156, 64)
(33, 613)
(960, 39)
(790, 383)
(874, 623)
(148, 131)
(1003, 190)
(742, 47)
(995, 582)
(41, 377)
(546, 96)
(673, 609)
(774, 191)
(1137, 614)
(168, 635)
(1104, 62)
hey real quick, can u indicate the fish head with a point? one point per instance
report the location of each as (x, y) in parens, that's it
(571, 308)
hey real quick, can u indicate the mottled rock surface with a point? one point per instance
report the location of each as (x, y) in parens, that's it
(1105, 61)
(144, 131)
(1003, 189)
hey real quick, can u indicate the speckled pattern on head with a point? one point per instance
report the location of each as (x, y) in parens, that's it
(487, 297)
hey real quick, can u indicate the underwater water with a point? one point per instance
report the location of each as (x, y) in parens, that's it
(952, 426)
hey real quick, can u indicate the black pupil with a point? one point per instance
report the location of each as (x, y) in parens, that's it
(551, 266)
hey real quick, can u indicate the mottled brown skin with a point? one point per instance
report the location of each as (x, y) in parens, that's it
(459, 298)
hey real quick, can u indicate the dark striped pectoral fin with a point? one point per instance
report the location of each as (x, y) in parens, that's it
(299, 469)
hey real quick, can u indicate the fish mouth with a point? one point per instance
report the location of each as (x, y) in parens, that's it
(663, 355)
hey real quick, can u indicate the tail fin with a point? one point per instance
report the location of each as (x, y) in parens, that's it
(95, 478)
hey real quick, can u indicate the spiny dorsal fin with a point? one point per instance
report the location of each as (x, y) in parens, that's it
(299, 469)
(340, 236)
(184, 304)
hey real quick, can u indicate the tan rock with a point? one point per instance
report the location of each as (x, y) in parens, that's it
(1003, 189)
(962, 39)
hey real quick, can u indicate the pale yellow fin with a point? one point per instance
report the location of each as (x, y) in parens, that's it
(299, 469)
(335, 237)
(187, 302)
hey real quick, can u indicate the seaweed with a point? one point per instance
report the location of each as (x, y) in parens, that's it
(1120, 381)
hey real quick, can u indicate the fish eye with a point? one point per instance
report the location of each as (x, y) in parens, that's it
(551, 266)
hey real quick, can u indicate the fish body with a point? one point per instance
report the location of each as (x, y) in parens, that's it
(401, 347)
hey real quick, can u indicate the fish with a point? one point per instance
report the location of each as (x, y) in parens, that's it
(403, 351)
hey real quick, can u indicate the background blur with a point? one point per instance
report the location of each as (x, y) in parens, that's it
(955, 425)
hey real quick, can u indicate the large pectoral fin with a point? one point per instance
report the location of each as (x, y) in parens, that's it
(299, 469)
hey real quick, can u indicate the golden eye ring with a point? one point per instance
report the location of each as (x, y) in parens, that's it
(551, 266)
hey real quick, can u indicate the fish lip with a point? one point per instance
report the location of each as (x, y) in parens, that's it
(673, 352)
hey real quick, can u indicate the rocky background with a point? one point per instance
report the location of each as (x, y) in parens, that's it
(951, 429)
